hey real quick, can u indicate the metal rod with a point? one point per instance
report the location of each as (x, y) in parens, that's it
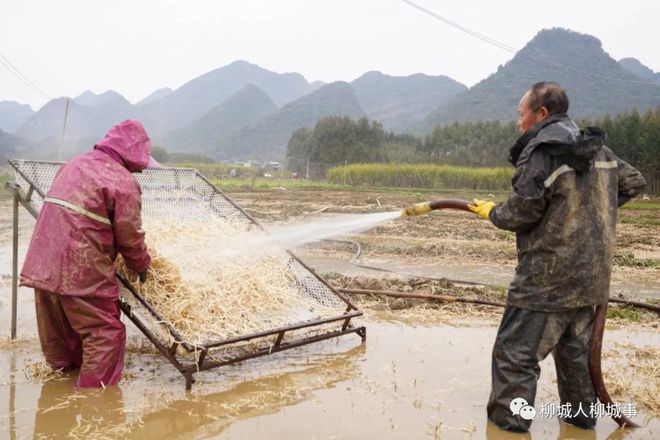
(12, 398)
(22, 198)
(14, 270)
(442, 298)
(278, 341)
(281, 329)
(229, 200)
(66, 117)
(16, 162)
(323, 281)
(218, 363)
(362, 331)
(189, 381)
(27, 179)
(173, 331)
(126, 308)
(641, 305)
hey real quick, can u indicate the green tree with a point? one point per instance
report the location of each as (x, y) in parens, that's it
(160, 154)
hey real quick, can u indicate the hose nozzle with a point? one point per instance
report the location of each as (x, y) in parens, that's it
(416, 209)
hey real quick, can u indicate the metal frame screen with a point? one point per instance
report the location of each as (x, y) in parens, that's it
(184, 194)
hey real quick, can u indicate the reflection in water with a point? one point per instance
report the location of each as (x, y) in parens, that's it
(12, 398)
(566, 432)
(407, 382)
(493, 432)
(621, 434)
(212, 413)
(102, 411)
(62, 414)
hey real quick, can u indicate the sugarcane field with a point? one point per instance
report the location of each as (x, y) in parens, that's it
(329, 220)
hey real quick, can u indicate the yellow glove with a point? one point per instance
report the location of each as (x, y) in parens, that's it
(482, 208)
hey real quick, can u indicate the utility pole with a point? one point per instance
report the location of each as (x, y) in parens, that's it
(66, 116)
(307, 172)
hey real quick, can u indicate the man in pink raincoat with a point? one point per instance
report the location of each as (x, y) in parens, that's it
(91, 213)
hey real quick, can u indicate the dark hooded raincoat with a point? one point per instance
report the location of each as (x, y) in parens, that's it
(563, 209)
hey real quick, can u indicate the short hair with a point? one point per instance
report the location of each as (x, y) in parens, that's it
(550, 95)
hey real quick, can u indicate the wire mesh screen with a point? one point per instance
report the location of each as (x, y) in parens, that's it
(178, 193)
(185, 195)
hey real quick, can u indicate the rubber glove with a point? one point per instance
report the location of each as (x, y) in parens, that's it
(482, 208)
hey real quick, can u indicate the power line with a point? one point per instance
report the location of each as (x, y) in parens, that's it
(16, 72)
(462, 28)
(514, 51)
(21, 77)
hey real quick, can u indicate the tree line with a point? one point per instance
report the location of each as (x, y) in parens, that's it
(633, 136)
(339, 139)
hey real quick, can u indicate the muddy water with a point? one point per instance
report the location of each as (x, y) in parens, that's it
(406, 382)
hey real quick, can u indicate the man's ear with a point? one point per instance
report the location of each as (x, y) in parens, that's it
(544, 113)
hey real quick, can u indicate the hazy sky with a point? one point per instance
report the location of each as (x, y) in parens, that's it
(134, 47)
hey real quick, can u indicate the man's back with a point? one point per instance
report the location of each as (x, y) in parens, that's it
(564, 211)
(92, 212)
(566, 191)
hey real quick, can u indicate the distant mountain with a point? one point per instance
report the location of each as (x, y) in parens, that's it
(49, 120)
(13, 115)
(596, 84)
(110, 109)
(91, 115)
(634, 66)
(84, 121)
(198, 96)
(400, 101)
(91, 99)
(269, 137)
(155, 96)
(247, 106)
(231, 112)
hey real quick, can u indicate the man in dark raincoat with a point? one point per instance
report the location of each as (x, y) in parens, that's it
(91, 213)
(566, 191)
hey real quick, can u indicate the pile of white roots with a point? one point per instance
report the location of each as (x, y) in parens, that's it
(210, 283)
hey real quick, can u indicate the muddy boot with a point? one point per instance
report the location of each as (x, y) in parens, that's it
(572, 364)
(515, 366)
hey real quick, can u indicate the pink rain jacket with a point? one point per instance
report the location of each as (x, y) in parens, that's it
(91, 213)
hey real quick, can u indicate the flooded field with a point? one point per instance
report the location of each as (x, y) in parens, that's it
(424, 371)
(407, 381)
